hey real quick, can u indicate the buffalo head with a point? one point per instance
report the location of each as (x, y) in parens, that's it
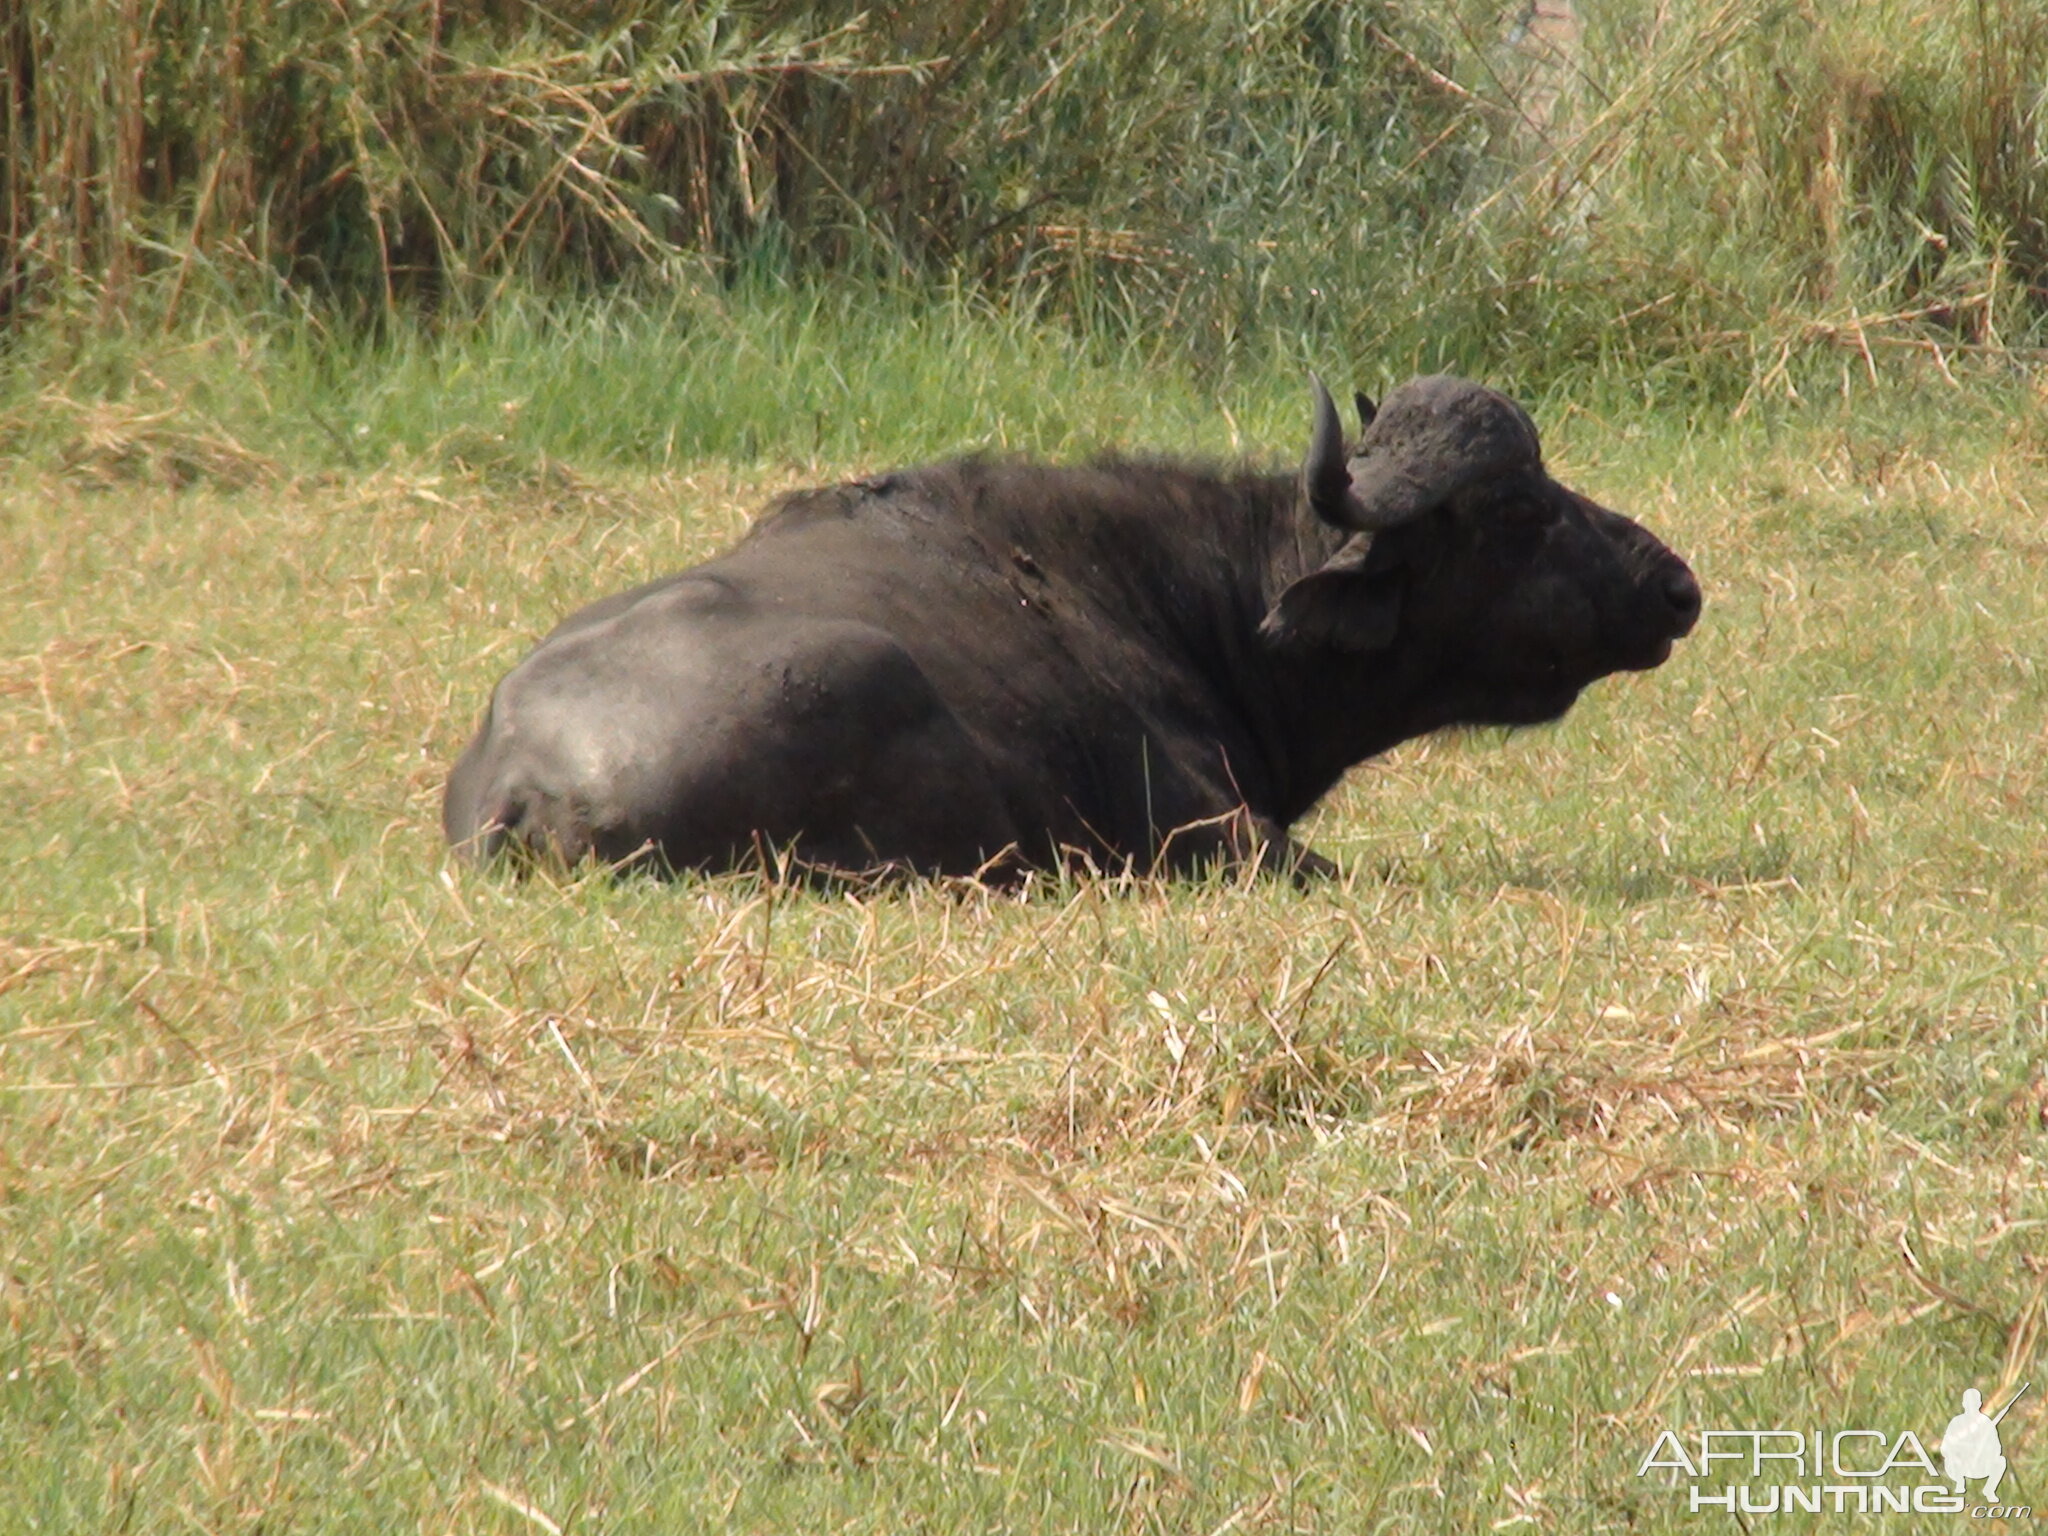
(1463, 562)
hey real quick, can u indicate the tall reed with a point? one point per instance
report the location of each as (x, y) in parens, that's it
(1689, 184)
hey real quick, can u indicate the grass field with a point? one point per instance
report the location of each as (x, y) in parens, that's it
(1685, 1065)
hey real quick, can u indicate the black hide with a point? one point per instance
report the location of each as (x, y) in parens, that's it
(986, 666)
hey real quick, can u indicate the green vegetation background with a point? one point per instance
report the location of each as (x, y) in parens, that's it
(1683, 201)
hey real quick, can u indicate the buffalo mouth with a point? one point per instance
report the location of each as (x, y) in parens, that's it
(1679, 601)
(1558, 683)
(1676, 612)
(1655, 654)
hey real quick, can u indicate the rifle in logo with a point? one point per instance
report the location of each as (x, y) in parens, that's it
(1969, 1446)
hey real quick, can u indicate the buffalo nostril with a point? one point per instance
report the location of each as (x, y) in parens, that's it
(1682, 592)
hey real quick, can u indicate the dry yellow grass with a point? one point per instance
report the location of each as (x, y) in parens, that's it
(1682, 1065)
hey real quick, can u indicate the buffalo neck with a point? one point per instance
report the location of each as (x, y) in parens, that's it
(1320, 712)
(1185, 564)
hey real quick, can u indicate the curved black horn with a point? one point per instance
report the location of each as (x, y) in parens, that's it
(1324, 478)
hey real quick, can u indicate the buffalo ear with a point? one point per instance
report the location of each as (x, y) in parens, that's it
(1352, 603)
(1367, 411)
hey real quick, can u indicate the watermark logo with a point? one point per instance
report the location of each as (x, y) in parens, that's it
(1969, 1446)
(1846, 1471)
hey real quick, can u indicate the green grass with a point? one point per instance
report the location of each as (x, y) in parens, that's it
(764, 374)
(1687, 192)
(1683, 1065)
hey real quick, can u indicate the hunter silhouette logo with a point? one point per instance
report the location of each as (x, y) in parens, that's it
(1844, 1471)
(1969, 1446)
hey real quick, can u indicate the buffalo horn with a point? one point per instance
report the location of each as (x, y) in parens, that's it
(1431, 438)
(1324, 478)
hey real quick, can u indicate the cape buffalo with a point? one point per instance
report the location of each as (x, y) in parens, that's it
(984, 666)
